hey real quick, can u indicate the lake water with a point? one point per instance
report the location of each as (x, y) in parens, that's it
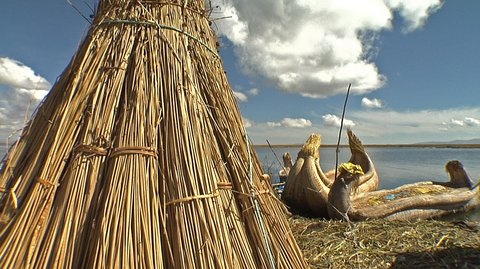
(395, 166)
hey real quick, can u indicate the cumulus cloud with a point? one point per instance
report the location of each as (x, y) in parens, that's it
(314, 48)
(372, 103)
(235, 29)
(383, 126)
(291, 123)
(454, 122)
(16, 75)
(296, 123)
(240, 96)
(417, 126)
(21, 90)
(247, 123)
(273, 124)
(471, 121)
(253, 92)
(335, 121)
(414, 12)
(243, 96)
(465, 122)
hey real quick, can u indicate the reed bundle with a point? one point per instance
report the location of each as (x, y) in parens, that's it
(138, 158)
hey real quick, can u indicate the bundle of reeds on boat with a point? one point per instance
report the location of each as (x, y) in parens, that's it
(138, 158)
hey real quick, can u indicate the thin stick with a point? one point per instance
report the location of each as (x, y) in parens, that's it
(276, 157)
(340, 131)
(79, 12)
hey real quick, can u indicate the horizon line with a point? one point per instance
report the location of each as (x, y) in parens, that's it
(412, 145)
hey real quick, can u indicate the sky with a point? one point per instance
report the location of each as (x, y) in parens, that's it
(413, 66)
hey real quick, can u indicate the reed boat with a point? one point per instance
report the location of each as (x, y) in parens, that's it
(419, 200)
(307, 186)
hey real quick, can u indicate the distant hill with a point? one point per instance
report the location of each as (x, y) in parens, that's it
(456, 142)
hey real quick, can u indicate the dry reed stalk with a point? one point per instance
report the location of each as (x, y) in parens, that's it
(138, 157)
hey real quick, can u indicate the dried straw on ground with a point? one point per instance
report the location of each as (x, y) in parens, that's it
(388, 244)
(138, 158)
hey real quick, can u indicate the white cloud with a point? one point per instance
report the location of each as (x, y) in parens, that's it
(315, 48)
(14, 74)
(334, 121)
(231, 26)
(243, 97)
(240, 96)
(253, 92)
(35, 94)
(418, 126)
(454, 122)
(382, 126)
(465, 122)
(471, 121)
(21, 90)
(273, 124)
(372, 103)
(296, 123)
(414, 12)
(290, 123)
(247, 123)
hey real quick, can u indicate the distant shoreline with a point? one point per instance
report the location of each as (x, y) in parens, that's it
(464, 146)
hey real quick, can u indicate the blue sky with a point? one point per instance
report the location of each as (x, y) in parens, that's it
(414, 65)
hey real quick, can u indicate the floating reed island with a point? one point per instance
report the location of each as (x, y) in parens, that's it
(137, 158)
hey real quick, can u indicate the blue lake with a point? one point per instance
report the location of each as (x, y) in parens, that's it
(395, 166)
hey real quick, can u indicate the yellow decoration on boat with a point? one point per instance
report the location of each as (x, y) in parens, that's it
(423, 190)
(375, 201)
(351, 168)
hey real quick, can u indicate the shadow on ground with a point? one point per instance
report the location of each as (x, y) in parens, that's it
(456, 257)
